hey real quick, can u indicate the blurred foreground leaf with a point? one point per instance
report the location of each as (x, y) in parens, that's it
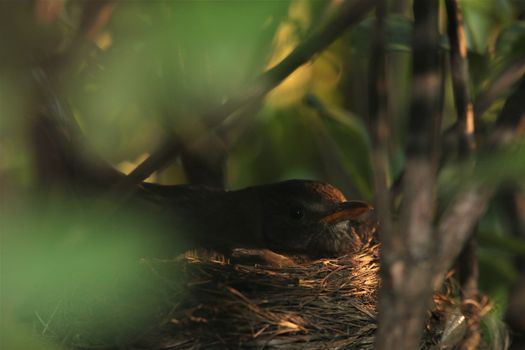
(76, 275)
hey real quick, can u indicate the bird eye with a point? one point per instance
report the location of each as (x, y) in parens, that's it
(296, 213)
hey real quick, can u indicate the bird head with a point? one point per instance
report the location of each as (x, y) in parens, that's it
(308, 217)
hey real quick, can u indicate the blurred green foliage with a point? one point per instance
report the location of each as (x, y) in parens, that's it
(80, 276)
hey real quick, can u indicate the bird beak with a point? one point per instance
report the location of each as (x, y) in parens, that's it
(347, 210)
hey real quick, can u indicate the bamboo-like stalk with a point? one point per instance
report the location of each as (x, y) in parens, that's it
(378, 123)
(378, 126)
(408, 262)
(468, 262)
(460, 78)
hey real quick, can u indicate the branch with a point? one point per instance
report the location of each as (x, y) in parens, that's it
(406, 292)
(507, 77)
(460, 78)
(468, 262)
(378, 125)
(350, 13)
(455, 226)
(468, 206)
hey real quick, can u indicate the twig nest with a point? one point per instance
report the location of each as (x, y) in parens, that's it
(321, 304)
(202, 301)
(327, 303)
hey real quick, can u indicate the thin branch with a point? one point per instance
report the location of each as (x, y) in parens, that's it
(466, 209)
(406, 292)
(505, 79)
(378, 128)
(455, 226)
(508, 76)
(468, 262)
(460, 78)
(350, 13)
(378, 122)
(468, 206)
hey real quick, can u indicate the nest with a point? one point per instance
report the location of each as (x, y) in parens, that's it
(322, 304)
(207, 302)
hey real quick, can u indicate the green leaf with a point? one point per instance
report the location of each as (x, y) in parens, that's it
(82, 269)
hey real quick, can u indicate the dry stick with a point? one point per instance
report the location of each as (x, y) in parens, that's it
(468, 263)
(406, 292)
(468, 206)
(378, 120)
(350, 13)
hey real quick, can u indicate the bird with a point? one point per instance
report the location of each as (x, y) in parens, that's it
(303, 217)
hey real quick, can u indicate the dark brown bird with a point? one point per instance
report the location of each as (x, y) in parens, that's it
(294, 217)
(301, 217)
